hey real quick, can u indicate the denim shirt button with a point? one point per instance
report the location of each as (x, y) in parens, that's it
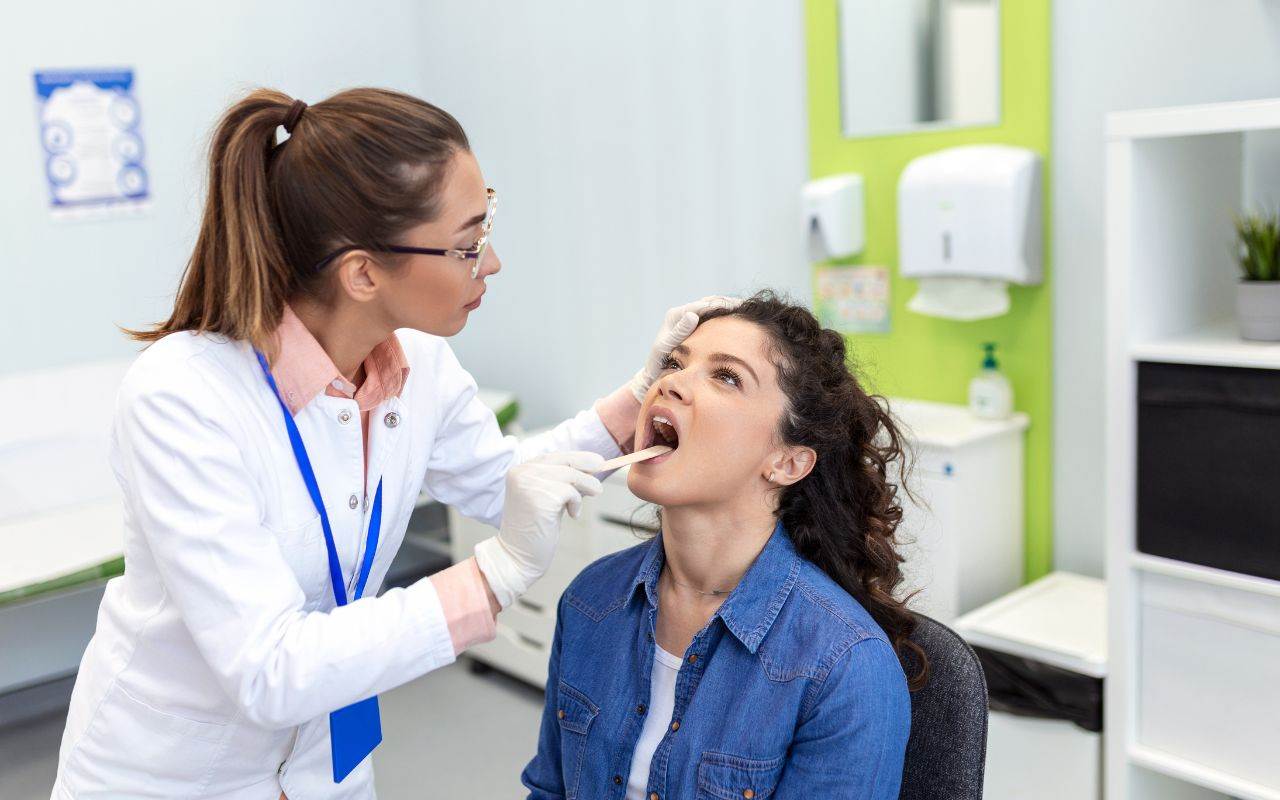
(617, 780)
(693, 659)
(747, 793)
(640, 709)
(675, 726)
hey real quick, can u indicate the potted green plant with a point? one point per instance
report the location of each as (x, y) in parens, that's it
(1258, 294)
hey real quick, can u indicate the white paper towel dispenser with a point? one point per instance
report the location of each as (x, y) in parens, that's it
(970, 222)
(834, 217)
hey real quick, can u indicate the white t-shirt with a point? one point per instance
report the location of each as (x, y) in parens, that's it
(662, 703)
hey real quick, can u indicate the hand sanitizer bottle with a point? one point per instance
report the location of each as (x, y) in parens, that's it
(990, 394)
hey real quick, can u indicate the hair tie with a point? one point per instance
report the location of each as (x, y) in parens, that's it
(294, 114)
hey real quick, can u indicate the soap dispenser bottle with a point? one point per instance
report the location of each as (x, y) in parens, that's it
(990, 394)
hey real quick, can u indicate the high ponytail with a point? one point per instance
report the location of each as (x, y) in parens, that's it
(358, 169)
(844, 515)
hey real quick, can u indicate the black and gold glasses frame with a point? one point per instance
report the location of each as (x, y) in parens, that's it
(474, 253)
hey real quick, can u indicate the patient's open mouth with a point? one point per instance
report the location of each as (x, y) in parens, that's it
(665, 432)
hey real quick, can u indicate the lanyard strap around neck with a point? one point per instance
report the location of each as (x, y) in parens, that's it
(313, 489)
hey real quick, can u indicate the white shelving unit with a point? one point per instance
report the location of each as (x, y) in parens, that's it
(1189, 707)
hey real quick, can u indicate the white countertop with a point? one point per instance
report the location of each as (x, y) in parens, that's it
(949, 425)
(1060, 619)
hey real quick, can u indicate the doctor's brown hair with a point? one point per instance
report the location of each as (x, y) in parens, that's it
(359, 168)
(843, 516)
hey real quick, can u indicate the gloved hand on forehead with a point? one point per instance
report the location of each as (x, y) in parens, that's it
(678, 323)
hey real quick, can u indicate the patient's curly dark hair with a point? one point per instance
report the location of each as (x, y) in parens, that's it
(842, 516)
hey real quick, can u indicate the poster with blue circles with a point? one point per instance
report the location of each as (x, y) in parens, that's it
(91, 140)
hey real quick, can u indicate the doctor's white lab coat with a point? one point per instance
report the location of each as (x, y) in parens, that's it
(219, 653)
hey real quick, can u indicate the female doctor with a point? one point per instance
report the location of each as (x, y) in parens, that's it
(270, 444)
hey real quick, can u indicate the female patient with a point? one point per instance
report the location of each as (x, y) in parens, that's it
(751, 650)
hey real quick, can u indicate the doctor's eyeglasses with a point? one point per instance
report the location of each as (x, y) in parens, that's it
(474, 253)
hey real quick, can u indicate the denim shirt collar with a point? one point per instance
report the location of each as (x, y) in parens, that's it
(750, 609)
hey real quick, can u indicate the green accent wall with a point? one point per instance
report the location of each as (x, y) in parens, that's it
(924, 357)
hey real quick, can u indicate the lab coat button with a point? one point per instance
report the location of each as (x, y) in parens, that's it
(392, 419)
(354, 501)
(344, 416)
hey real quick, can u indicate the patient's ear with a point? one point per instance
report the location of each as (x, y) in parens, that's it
(791, 465)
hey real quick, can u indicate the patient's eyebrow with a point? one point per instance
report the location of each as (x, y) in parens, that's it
(726, 358)
(719, 358)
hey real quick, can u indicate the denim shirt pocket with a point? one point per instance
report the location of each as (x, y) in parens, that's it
(575, 712)
(726, 777)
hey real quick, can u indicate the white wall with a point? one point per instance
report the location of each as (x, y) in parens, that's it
(644, 154)
(1110, 56)
(66, 284)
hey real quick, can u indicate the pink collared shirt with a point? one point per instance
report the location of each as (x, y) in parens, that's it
(303, 370)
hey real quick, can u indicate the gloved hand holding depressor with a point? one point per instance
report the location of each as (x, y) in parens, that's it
(537, 493)
(678, 323)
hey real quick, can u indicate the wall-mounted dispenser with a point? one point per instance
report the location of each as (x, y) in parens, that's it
(969, 223)
(834, 217)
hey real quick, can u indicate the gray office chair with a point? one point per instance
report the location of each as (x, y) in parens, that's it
(948, 745)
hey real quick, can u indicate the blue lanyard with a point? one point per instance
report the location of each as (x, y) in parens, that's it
(354, 730)
(313, 488)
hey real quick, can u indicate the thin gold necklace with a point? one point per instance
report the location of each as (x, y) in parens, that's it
(712, 593)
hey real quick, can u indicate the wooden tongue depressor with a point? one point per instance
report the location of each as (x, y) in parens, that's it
(639, 455)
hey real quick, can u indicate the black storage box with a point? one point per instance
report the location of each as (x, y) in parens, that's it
(1208, 459)
(1026, 687)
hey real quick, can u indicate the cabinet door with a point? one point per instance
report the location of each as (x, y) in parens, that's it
(926, 539)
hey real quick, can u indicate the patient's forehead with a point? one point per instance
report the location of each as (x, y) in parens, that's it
(736, 337)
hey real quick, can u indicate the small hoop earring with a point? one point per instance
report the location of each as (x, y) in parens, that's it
(770, 478)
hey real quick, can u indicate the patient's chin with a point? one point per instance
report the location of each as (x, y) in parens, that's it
(647, 487)
(674, 482)
(654, 487)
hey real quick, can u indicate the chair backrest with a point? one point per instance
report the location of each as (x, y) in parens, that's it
(948, 745)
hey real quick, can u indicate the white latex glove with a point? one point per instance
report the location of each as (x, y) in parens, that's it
(678, 323)
(538, 492)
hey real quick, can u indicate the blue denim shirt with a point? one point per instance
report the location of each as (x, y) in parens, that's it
(790, 691)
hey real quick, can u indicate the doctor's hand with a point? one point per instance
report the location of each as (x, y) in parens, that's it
(678, 323)
(539, 491)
